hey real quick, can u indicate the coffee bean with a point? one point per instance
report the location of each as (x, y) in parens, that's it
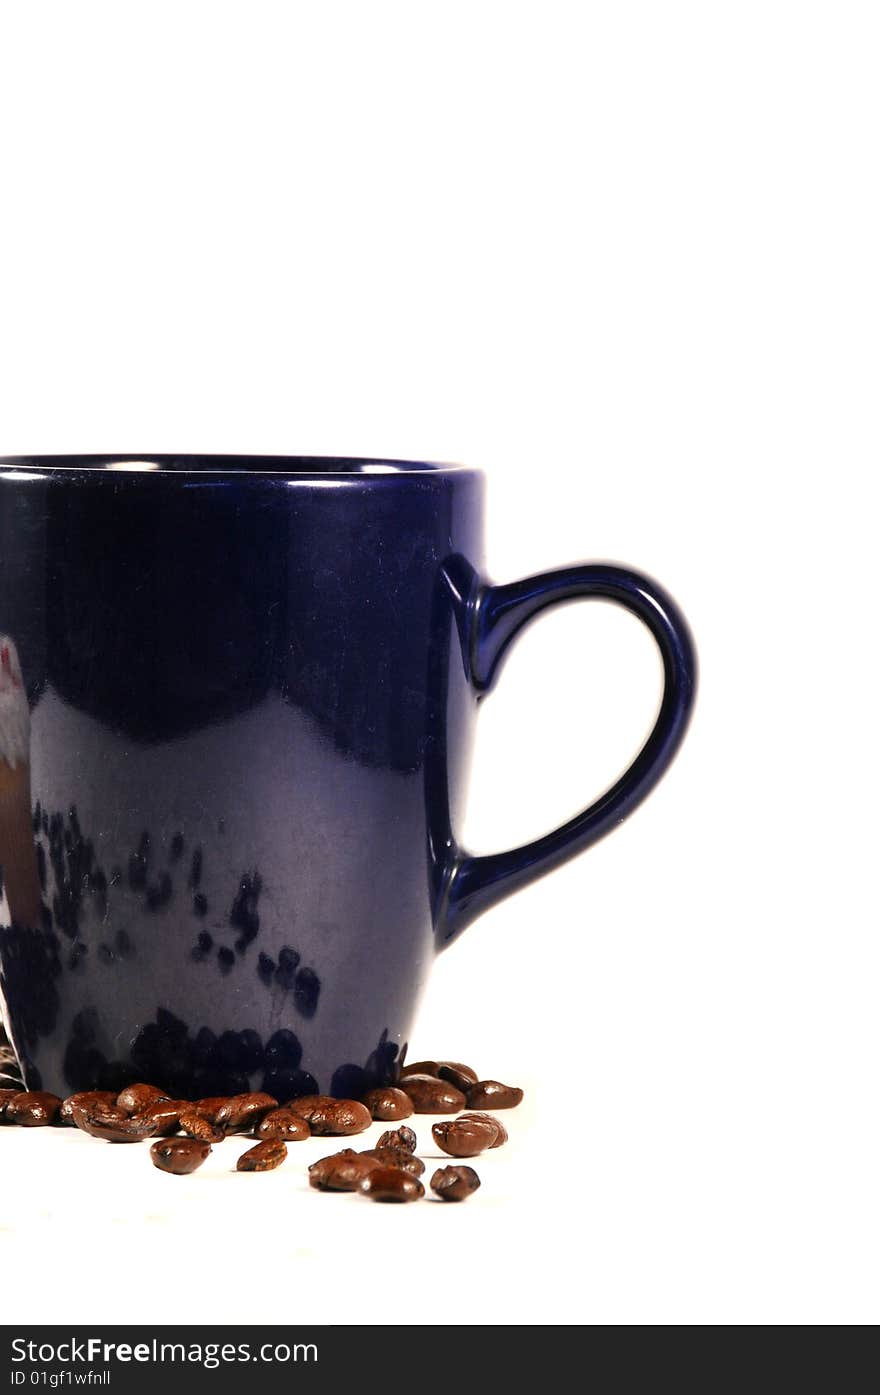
(310, 1104)
(211, 1105)
(324, 1114)
(33, 1109)
(390, 1184)
(5, 1097)
(491, 1094)
(421, 1068)
(462, 1077)
(263, 1157)
(403, 1139)
(500, 1130)
(162, 1116)
(179, 1155)
(387, 1103)
(341, 1172)
(283, 1123)
(349, 1117)
(464, 1138)
(83, 1098)
(112, 1124)
(134, 1098)
(396, 1157)
(241, 1113)
(432, 1096)
(454, 1183)
(198, 1127)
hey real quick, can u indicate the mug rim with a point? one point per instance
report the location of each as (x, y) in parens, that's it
(294, 468)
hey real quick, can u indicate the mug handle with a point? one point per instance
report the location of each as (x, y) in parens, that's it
(497, 614)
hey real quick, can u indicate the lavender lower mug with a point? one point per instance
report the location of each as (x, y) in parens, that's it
(237, 698)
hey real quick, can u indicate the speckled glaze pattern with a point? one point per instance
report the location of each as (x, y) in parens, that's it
(252, 685)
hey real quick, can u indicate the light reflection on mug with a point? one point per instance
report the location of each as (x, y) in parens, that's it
(18, 863)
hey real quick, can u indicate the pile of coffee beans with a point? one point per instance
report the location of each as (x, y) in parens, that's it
(186, 1130)
(391, 1171)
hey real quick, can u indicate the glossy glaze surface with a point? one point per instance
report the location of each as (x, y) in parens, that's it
(248, 689)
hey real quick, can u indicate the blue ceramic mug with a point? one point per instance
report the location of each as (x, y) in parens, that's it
(237, 696)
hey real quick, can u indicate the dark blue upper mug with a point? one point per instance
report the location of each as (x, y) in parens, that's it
(237, 696)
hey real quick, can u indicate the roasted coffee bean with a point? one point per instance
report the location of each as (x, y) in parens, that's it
(98, 1111)
(431, 1095)
(387, 1103)
(198, 1127)
(84, 1098)
(263, 1157)
(491, 1094)
(341, 1172)
(134, 1098)
(303, 1105)
(464, 1138)
(283, 1123)
(462, 1077)
(33, 1109)
(163, 1116)
(112, 1124)
(179, 1155)
(211, 1106)
(421, 1068)
(241, 1113)
(396, 1157)
(454, 1183)
(350, 1117)
(5, 1097)
(403, 1139)
(390, 1184)
(324, 1114)
(500, 1130)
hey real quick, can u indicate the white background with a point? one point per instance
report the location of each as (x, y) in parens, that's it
(625, 257)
